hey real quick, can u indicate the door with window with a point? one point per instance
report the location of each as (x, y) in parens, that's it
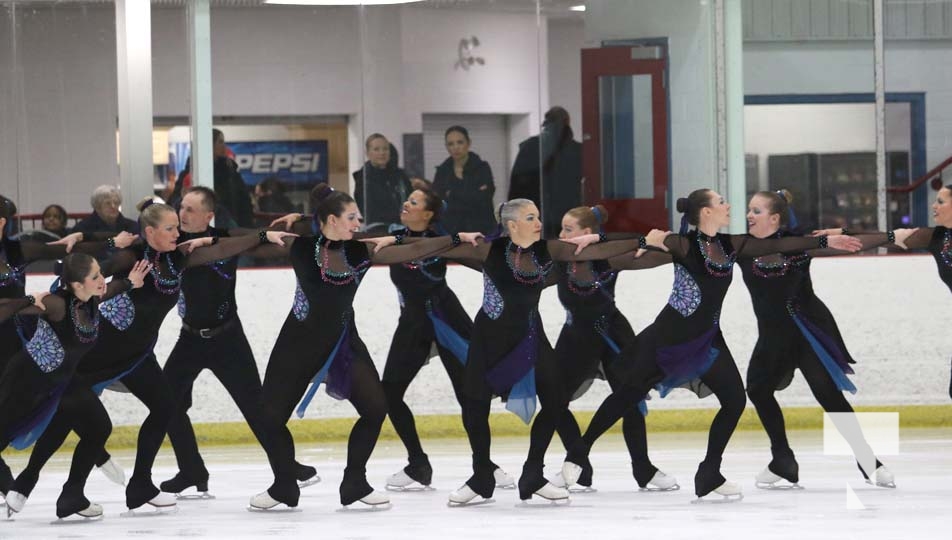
(625, 135)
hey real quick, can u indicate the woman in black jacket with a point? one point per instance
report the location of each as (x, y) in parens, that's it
(380, 187)
(465, 182)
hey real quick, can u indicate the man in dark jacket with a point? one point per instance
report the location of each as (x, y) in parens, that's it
(234, 197)
(554, 181)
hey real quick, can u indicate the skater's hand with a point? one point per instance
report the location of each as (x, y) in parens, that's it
(844, 243)
(287, 221)
(656, 238)
(827, 232)
(471, 237)
(38, 299)
(582, 241)
(69, 241)
(195, 243)
(137, 274)
(124, 239)
(380, 242)
(277, 237)
(902, 235)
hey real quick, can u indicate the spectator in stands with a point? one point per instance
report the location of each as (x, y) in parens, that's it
(271, 199)
(380, 186)
(106, 216)
(556, 187)
(54, 220)
(465, 182)
(234, 197)
(10, 228)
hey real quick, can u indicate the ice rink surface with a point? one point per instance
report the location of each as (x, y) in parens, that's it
(920, 507)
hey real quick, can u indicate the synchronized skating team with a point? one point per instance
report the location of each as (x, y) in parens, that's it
(59, 350)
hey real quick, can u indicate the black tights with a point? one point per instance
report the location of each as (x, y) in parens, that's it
(79, 410)
(147, 383)
(722, 378)
(636, 440)
(284, 385)
(827, 395)
(400, 414)
(553, 401)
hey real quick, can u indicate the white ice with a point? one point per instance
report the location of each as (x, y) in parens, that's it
(918, 508)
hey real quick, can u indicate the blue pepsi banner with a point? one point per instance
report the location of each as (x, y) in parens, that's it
(294, 162)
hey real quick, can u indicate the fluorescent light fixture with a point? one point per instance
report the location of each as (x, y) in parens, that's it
(580, 7)
(340, 2)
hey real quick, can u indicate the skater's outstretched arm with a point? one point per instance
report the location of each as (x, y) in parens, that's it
(205, 250)
(385, 252)
(640, 260)
(748, 246)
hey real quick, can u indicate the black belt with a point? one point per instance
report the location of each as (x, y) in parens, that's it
(208, 333)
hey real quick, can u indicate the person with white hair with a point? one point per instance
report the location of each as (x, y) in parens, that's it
(106, 201)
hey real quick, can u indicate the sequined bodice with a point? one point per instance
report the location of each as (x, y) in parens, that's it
(57, 346)
(701, 279)
(328, 274)
(12, 275)
(774, 281)
(941, 248)
(587, 289)
(514, 278)
(418, 281)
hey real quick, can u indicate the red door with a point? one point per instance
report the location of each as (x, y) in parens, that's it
(625, 135)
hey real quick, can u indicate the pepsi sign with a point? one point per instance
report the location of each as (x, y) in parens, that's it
(296, 162)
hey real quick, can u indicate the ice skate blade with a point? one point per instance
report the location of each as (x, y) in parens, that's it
(652, 489)
(279, 508)
(316, 479)
(76, 519)
(544, 503)
(776, 486)
(715, 498)
(148, 510)
(362, 507)
(578, 488)
(506, 486)
(197, 496)
(412, 488)
(887, 485)
(473, 502)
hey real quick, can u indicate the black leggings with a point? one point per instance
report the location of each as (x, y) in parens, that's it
(553, 401)
(633, 429)
(824, 390)
(400, 415)
(230, 359)
(285, 382)
(81, 411)
(146, 383)
(722, 378)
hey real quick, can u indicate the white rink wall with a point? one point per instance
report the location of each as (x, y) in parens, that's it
(892, 310)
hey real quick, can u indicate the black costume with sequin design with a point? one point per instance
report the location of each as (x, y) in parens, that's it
(15, 256)
(684, 346)
(430, 316)
(123, 353)
(795, 331)
(319, 343)
(509, 354)
(938, 241)
(40, 378)
(594, 336)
